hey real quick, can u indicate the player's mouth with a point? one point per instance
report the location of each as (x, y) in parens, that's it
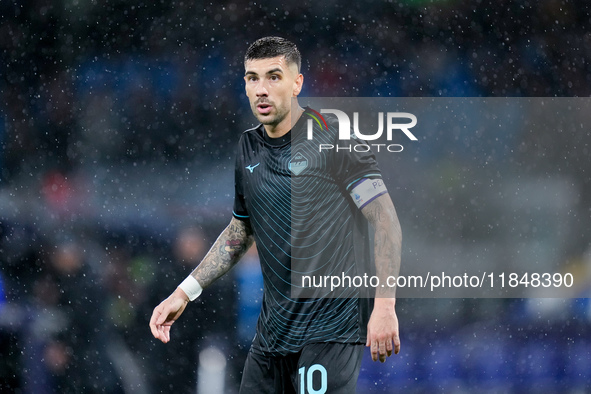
(264, 108)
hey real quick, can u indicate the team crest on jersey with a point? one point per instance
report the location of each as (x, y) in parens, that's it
(298, 164)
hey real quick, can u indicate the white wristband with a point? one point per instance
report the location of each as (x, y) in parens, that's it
(191, 287)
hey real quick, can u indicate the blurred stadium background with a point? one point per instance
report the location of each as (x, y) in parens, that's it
(117, 133)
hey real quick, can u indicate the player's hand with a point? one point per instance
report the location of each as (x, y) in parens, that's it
(166, 313)
(382, 330)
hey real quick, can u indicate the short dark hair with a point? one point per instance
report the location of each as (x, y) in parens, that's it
(267, 47)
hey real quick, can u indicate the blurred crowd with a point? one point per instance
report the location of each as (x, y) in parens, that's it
(90, 88)
(79, 305)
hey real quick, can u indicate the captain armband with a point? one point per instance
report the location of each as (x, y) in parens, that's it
(366, 190)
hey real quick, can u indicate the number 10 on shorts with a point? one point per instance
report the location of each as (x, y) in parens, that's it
(307, 380)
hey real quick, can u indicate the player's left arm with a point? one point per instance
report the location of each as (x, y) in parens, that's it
(382, 329)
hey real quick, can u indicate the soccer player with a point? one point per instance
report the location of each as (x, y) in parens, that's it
(308, 209)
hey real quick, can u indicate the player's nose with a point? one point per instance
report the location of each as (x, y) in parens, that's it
(261, 89)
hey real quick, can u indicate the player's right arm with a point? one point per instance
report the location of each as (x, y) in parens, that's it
(227, 250)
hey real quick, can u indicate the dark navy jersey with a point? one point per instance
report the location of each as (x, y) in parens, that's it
(297, 200)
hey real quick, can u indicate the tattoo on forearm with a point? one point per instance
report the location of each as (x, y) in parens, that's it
(227, 250)
(387, 240)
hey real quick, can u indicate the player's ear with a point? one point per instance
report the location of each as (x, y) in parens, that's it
(297, 84)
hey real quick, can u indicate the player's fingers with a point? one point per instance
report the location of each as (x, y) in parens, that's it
(368, 340)
(166, 333)
(389, 347)
(153, 327)
(374, 350)
(161, 335)
(382, 350)
(396, 344)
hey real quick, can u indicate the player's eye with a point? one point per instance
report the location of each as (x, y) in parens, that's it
(274, 77)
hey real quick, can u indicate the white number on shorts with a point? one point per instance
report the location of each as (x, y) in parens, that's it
(309, 385)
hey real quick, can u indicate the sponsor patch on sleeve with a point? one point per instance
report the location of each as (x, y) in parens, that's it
(367, 190)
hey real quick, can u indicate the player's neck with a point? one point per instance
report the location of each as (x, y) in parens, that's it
(285, 125)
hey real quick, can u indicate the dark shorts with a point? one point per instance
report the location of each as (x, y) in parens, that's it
(318, 368)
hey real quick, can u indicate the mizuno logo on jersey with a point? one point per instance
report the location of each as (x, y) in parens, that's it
(251, 167)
